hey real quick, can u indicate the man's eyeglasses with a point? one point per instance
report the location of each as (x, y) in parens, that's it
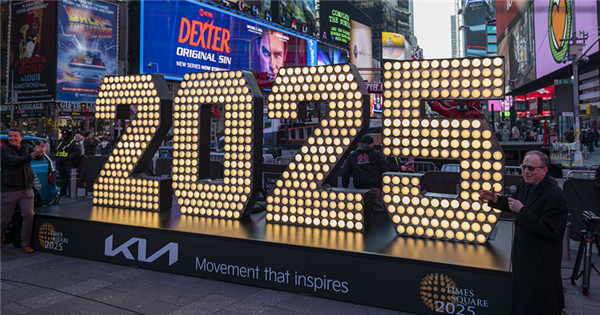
(530, 168)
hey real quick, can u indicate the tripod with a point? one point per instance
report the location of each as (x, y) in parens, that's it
(588, 236)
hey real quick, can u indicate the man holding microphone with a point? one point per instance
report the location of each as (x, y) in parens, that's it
(540, 218)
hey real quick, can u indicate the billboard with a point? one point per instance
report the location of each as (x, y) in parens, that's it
(87, 48)
(32, 50)
(506, 11)
(299, 15)
(553, 22)
(335, 25)
(328, 55)
(394, 47)
(361, 47)
(519, 48)
(476, 13)
(184, 36)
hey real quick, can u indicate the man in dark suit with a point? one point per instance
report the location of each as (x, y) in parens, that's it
(540, 220)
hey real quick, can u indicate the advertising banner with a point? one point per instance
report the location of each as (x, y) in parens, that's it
(553, 22)
(394, 46)
(183, 36)
(519, 48)
(361, 47)
(32, 50)
(328, 55)
(506, 11)
(299, 15)
(334, 17)
(87, 48)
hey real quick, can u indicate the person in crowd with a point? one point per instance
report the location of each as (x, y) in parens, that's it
(17, 184)
(596, 137)
(570, 136)
(67, 157)
(105, 147)
(505, 134)
(498, 132)
(79, 138)
(89, 144)
(529, 135)
(366, 165)
(270, 52)
(515, 134)
(541, 213)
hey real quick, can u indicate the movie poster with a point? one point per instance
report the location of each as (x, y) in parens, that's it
(32, 50)
(87, 48)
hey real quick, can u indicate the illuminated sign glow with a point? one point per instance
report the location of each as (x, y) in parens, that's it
(298, 197)
(237, 191)
(406, 133)
(122, 182)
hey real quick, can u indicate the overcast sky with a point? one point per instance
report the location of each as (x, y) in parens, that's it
(432, 27)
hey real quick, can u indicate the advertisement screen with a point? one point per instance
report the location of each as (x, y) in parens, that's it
(361, 48)
(335, 25)
(506, 11)
(394, 46)
(178, 37)
(553, 21)
(299, 15)
(87, 48)
(519, 49)
(33, 50)
(476, 29)
(328, 55)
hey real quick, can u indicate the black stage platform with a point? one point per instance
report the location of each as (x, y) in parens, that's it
(376, 267)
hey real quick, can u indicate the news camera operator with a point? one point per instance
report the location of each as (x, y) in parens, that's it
(540, 220)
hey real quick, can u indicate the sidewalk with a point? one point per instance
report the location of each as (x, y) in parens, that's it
(43, 283)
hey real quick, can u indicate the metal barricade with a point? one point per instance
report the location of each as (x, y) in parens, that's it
(73, 183)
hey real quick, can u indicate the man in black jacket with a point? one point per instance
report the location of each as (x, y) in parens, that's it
(366, 165)
(68, 153)
(541, 216)
(17, 184)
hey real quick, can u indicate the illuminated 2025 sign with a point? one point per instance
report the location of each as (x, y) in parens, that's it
(298, 197)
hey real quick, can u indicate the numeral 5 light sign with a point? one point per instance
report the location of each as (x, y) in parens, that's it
(299, 196)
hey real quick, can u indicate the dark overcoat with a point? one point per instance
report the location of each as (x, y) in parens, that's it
(537, 249)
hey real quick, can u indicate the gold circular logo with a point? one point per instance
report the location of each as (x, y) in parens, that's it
(46, 233)
(434, 287)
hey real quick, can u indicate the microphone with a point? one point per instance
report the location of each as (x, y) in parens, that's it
(511, 191)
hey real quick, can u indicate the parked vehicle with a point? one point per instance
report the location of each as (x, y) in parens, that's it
(44, 185)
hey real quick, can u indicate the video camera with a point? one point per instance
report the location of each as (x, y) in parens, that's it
(590, 220)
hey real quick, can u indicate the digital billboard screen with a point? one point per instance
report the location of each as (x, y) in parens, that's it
(506, 11)
(394, 46)
(33, 50)
(186, 36)
(299, 15)
(328, 55)
(553, 22)
(361, 47)
(335, 22)
(87, 48)
(519, 48)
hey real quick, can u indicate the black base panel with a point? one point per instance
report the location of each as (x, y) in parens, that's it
(376, 267)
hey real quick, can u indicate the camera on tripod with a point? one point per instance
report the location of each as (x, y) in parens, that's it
(590, 220)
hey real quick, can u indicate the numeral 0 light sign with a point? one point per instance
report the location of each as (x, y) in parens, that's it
(122, 182)
(407, 133)
(240, 186)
